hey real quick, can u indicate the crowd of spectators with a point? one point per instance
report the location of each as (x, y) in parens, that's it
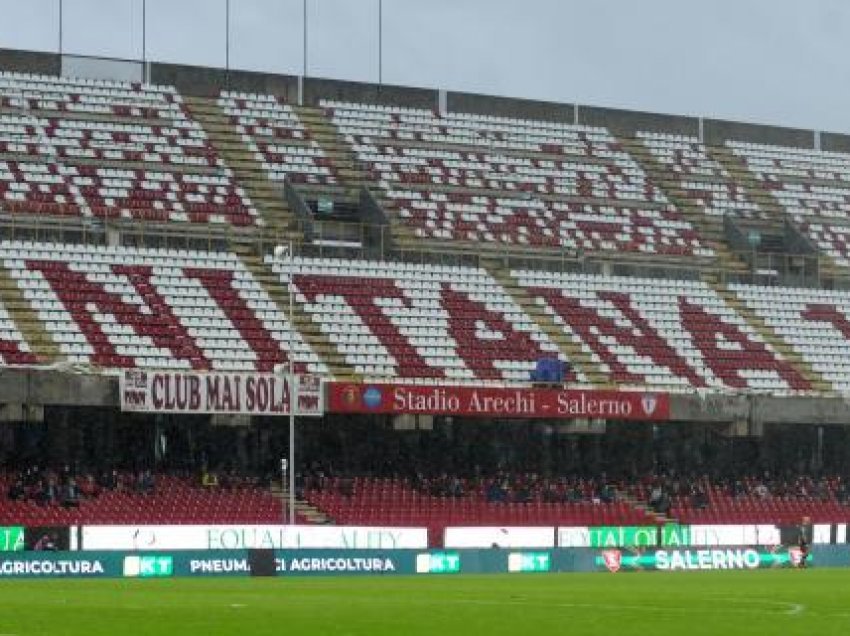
(68, 487)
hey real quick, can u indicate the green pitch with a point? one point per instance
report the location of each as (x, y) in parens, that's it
(783, 602)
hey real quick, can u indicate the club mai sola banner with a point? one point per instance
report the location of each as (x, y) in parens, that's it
(236, 393)
(472, 401)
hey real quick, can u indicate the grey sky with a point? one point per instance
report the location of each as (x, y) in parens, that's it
(771, 61)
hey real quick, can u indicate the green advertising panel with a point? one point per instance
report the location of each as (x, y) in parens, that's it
(639, 536)
(11, 539)
(699, 559)
(438, 563)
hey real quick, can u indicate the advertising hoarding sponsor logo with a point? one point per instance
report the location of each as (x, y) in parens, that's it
(471, 401)
(612, 559)
(234, 393)
(749, 558)
(50, 567)
(438, 563)
(529, 562)
(12, 539)
(149, 566)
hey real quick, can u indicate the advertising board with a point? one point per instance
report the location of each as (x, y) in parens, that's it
(246, 537)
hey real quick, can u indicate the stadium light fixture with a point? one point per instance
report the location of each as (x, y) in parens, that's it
(283, 255)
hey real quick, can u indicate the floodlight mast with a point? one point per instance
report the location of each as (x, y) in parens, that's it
(283, 255)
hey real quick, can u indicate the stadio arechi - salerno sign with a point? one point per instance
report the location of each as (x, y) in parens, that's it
(506, 402)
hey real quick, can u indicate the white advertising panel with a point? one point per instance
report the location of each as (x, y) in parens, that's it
(233, 537)
(488, 537)
(237, 393)
(735, 535)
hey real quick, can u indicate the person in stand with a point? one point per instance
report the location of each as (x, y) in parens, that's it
(804, 541)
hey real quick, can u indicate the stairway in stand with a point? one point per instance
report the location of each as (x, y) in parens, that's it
(709, 227)
(41, 344)
(279, 222)
(570, 346)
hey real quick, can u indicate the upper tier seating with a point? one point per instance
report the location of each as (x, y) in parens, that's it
(486, 180)
(179, 309)
(418, 322)
(110, 150)
(705, 181)
(813, 186)
(672, 334)
(280, 142)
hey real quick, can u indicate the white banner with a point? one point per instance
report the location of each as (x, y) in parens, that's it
(489, 537)
(242, 393)
(225, 537)
(735, 535)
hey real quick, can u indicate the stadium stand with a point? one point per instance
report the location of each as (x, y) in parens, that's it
(176, 309)
(168, 500)
(110, 150)
(501, 190)
(679, 335)
(428, 323)
(465, 178)
(810, 185)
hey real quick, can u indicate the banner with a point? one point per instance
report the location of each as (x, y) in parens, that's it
(236, 393)
(12, 539)
(471, 401)
(737, 558)
(255, 537)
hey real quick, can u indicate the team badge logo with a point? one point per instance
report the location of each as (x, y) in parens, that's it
(613, 560)
(649, 402)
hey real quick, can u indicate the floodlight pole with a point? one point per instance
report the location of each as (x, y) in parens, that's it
(279, 251)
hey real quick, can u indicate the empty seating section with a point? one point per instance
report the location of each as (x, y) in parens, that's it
(278, 139)
(678, 335)
(813, 186)
(418, 323)
(703, 179)
(124, 307)
(13, 348)
(174, 501)
(111, 151)
(815, 322)
(393, 502)
(487, 180)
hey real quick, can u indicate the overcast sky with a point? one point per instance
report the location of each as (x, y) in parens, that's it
(771, 61)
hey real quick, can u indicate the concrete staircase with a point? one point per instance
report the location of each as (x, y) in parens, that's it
(709, 227)
(346, 168)
(310, 331)
(311, 513)
(352, 173)
(568, 345)
(267, 197)
(22, 314)
(769, 336)
(755, 191)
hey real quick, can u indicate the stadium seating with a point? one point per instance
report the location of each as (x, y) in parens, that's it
(176, 309)
(704, 180)
(487, 180)
(173, 501)
(811, 186)
(280, 142)
(678, 335)
(415, 322)
(394, 502)
(110, 150)
(815, 322)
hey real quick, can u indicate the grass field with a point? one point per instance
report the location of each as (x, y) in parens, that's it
(783, 602)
